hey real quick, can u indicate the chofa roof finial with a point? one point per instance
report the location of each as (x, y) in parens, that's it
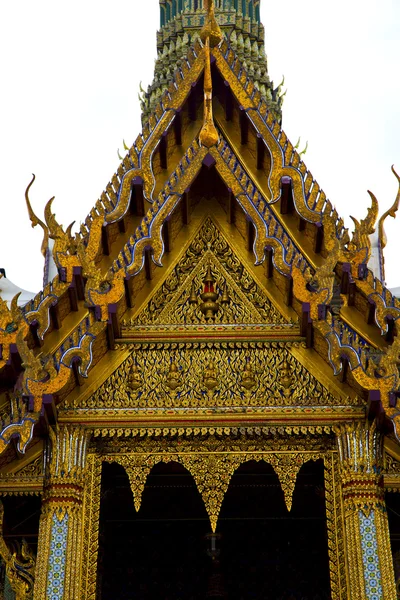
(211, 28)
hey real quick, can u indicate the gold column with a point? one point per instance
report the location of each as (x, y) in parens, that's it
(91, 519)
(58, 565)
(369, 557)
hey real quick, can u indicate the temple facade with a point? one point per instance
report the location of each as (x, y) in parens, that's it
(202, 401)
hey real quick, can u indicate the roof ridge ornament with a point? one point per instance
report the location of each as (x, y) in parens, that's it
(35, 220)
(211, 29)
(391, 212)
(208, 134)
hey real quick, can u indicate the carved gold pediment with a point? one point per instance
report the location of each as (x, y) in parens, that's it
(191, 378)
(241, 300)
(180, 358)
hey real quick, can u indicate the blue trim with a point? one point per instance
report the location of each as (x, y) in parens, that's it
(251, 12)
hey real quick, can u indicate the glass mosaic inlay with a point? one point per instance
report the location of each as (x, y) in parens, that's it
(58, 550)
(372, 574)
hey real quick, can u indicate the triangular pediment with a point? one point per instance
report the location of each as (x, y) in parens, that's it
(175, 361)
(178, 301)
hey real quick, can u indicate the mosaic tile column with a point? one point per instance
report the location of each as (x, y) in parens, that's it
(59, 559)
(368, 553)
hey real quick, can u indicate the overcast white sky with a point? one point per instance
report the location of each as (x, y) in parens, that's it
(70, 74)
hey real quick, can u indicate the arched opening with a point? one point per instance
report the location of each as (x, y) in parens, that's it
(266, 551)
(160, 551)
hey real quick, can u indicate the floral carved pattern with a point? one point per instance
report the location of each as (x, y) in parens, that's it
(249, 303)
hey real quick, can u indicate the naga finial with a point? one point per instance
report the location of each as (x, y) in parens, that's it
(211, 29)
(35, 220)
(208, 134)
(391, 212)
(381, 230)
(364, 228)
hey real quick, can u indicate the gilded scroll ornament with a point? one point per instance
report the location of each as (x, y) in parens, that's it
(282, 155)
(149, 231)
(35, 220)
(170, 103)
(389, 213)
(210, 367)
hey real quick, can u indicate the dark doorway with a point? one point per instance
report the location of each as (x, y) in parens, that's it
(21, 521)
(393, 511)
(159, 552)
(163, 551)
(267, 552)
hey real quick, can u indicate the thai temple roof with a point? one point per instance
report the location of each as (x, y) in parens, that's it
(212, 319)
(180, 26)
(212, 150)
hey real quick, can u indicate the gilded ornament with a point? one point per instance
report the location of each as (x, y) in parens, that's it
(176, 302)
(135, 380)
(225, 299)
(286, 379)
(193, 294)
(174, 377)
(389, 213)
(35, 220)
(208, 135)
(248, 380)
(210, 306)
(211, 30)
(210, 376)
